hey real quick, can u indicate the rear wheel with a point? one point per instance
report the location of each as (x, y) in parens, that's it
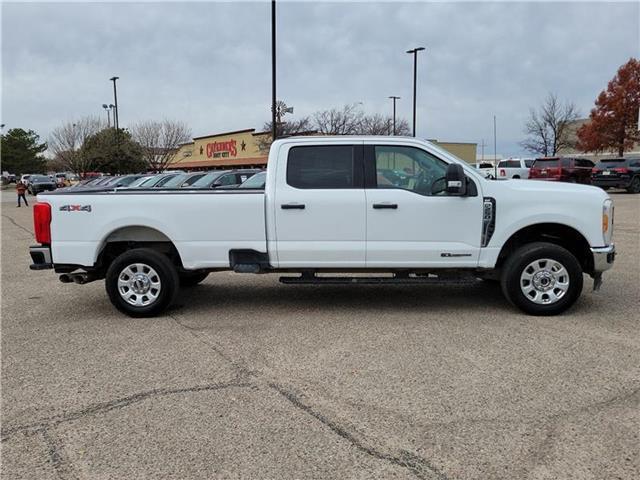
(141, 282)
(542, 279)
(634, 187)
(190, 279)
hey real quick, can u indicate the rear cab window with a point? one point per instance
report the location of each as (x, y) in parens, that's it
(321, 167)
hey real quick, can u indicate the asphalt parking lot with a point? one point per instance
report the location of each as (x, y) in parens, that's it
(248, 378)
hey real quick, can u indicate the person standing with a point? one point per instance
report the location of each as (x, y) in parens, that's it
(21, 188)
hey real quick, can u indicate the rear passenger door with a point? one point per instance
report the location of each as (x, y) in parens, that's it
(319, 206)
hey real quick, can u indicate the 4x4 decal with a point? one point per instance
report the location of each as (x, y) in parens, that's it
(75, 208)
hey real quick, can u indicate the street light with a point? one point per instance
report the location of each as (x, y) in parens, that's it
(116, 119)
(273, 70)
(394, 98)
(415, 77)
(107, 108)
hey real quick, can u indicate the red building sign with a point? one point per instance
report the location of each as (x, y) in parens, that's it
(222, 149)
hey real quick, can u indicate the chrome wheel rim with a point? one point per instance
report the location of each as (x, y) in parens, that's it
(544, 281)
(139, 284)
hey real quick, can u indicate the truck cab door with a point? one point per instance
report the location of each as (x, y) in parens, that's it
(319, 206)
(408, 224)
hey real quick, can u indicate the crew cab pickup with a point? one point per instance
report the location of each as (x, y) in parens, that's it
(391, 209)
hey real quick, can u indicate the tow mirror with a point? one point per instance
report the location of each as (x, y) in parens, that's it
(456, 180)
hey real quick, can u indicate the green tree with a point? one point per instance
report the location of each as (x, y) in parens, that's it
(114, 152)
(21, 152)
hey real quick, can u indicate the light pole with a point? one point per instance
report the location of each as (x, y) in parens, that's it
(394, 98)
(116, 120)
(107, 108)
(273, 71)
(415, 77)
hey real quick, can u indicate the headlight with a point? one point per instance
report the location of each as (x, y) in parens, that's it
(607, 221)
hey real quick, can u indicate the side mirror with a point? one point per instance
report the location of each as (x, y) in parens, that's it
(456, 181)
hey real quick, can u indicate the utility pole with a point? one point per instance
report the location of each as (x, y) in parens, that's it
(394, 98)
(415, 78)
(482, 145)
(273, 71)
(495, 149)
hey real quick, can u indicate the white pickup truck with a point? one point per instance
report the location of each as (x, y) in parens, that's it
(389, 209)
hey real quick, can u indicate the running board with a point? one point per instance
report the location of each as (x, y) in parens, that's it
(395, 280)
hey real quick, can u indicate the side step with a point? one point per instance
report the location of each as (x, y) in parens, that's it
(310, 279)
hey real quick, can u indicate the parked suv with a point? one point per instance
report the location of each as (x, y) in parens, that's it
(617, 173)
(565, 169)
(41, 183)
(514, 168)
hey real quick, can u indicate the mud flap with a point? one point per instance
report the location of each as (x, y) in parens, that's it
(597, 281)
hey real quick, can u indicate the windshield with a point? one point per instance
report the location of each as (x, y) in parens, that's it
(140, 181)
(39, 178)
(257, 181)
(126, 181)
(175, 181)
(192, 179)
(208, 179)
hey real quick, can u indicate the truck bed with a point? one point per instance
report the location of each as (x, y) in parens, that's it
(203, 225)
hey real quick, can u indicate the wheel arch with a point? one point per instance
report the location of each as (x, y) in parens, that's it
(556, 233)
(128, 237)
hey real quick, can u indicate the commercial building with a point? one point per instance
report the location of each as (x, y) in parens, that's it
(248, 148)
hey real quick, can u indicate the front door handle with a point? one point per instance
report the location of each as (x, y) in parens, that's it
(378, 206)
(292, 206)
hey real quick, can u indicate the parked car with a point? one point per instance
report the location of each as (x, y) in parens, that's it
(256, 181)
(487, 169)
(617, 173)
(137, 183)
(183, 180)
(224, 178)
(25, 179)
(41, 183)
(562, 169)
(121, 181)
(157, 180)
(514, 168)
(323, 211)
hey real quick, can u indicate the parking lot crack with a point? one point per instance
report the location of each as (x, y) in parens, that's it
(419, 466)
(17, 224)
(57, 458)
(115, 404)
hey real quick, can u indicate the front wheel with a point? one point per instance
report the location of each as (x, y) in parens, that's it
(634, 187)
(542, 279)
(141, 282)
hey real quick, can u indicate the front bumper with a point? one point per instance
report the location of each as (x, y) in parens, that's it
(41, 257)
(603, 258)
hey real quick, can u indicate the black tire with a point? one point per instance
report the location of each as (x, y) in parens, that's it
(165, 270)
(191, 279)
(516, 176)
(634, 186)
(521, 259)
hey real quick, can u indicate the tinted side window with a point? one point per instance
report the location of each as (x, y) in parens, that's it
(528, 163)
(327, 166)
(566, 162)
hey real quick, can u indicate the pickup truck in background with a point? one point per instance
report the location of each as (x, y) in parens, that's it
(399, 210)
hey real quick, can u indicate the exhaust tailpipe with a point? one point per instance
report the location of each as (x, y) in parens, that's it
(66, 278)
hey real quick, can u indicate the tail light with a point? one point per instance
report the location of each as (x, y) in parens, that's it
(555, 171)
(594, 170)
(621, 170)
(503, 173)
(42, 222)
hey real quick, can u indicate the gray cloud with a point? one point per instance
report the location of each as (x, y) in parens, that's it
(208, 64)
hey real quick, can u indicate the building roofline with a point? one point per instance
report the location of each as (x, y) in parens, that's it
(225, 133)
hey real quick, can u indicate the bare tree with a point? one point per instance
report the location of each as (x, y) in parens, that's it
(382, 125)
(65, 143)
(160, 141)
(302, 126)
(344, 121)
(547, 129)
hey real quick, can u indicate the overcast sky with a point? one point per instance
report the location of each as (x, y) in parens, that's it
(208, 64)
